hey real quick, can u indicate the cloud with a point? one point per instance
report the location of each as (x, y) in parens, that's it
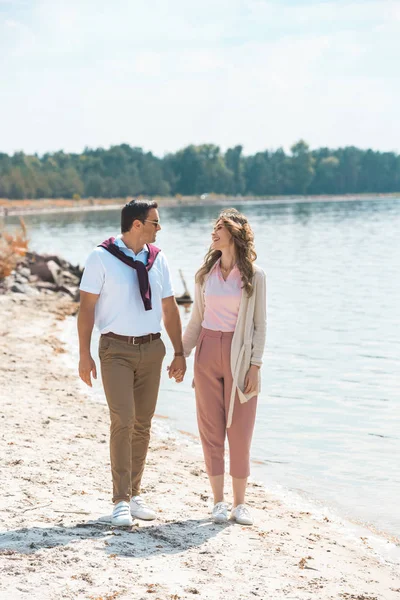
(163, 75)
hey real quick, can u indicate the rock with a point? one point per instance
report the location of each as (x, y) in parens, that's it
(41, 269)
(43, 274)
(20, 288)
(55, 271)
(24, 272)
(20, 279)
(47, 286)
(71, 291)
(69, 278)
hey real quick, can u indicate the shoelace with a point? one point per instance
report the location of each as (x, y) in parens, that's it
(242, 511)
(220, 506)
(138, 500)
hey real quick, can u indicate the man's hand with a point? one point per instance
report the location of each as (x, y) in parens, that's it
(251, 380)
(177, 369)
(87, 367)
(172, 323)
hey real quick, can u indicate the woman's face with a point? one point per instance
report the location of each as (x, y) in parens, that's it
(221, 238)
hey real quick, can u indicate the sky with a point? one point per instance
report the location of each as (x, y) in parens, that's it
(164, 74)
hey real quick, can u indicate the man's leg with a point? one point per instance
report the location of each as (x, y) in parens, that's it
(118, 361)
(146, 386)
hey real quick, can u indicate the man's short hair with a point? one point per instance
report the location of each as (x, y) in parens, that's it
(135, 210)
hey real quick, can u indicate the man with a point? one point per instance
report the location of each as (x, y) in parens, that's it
(126, 291)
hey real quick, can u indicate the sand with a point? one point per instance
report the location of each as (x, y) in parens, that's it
(55, 541)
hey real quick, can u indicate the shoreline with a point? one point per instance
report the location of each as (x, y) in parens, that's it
(11, 208)
(55, 541)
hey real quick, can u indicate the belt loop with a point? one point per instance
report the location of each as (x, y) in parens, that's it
(151, 337)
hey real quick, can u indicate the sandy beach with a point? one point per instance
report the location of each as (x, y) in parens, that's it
(55, 538)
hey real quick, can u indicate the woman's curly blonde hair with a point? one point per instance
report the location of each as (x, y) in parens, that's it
(243, 238)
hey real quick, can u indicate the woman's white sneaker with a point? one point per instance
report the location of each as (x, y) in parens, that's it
(121, 516)
(140, 510)
(241, 515)
(220, 512)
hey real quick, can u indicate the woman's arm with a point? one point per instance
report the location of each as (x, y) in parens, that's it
(260, 320)
(193, 328)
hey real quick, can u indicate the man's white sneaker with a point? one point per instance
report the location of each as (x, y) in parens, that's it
(140, 510)
(241, 515)
(220, 512)
(121, 516)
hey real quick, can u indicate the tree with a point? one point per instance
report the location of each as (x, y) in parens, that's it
(235, 163)
(301, 168)
(124, 171)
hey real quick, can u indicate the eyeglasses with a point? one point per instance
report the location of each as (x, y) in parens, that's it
(155, 223)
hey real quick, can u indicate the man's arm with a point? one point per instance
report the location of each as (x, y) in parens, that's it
(87, 366)
(173, 326)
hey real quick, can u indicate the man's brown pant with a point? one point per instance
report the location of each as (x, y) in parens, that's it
(131, 379)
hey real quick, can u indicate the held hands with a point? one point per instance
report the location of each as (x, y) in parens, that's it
(251, 380)
(87, 367)
(177, 369)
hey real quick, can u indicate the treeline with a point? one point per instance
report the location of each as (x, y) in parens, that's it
(128, 171)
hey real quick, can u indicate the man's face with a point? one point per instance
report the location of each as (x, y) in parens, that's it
(151, 226)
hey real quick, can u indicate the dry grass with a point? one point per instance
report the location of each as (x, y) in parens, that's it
(12, 248)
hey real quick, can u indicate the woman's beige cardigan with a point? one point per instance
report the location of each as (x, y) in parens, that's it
(248, 340)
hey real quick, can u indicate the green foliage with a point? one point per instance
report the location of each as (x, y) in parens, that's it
(124, 171)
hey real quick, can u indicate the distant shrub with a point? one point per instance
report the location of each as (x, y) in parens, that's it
(12, 248)
(76, 197)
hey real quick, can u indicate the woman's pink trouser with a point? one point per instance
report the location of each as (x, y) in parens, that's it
(213, 385)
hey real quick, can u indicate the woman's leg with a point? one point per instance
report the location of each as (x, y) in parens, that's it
(240, 434)
(217, 486)
(209, 390)
(239, 490)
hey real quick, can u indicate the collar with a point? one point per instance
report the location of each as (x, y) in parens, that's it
(121, 244)
(218, 264)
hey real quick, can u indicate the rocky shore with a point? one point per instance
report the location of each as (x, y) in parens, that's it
(43, 273)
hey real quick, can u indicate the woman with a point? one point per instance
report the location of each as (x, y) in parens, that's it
(228, 327)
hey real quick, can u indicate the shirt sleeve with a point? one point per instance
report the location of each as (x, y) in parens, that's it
(93, 274)
(167, 288)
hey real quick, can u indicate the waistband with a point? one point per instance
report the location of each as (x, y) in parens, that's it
(135, 341)
(217, 334)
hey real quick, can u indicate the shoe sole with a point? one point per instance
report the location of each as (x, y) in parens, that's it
(123, 524)
(220, 519)
(143, 518)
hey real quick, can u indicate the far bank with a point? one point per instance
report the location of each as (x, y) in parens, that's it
(66, 205)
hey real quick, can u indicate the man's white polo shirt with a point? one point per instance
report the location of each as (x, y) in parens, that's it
(120, 307)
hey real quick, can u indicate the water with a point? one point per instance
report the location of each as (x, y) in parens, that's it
(328, 424)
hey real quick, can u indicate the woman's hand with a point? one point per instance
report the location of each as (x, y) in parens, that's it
(177, 369)
(251, 380)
